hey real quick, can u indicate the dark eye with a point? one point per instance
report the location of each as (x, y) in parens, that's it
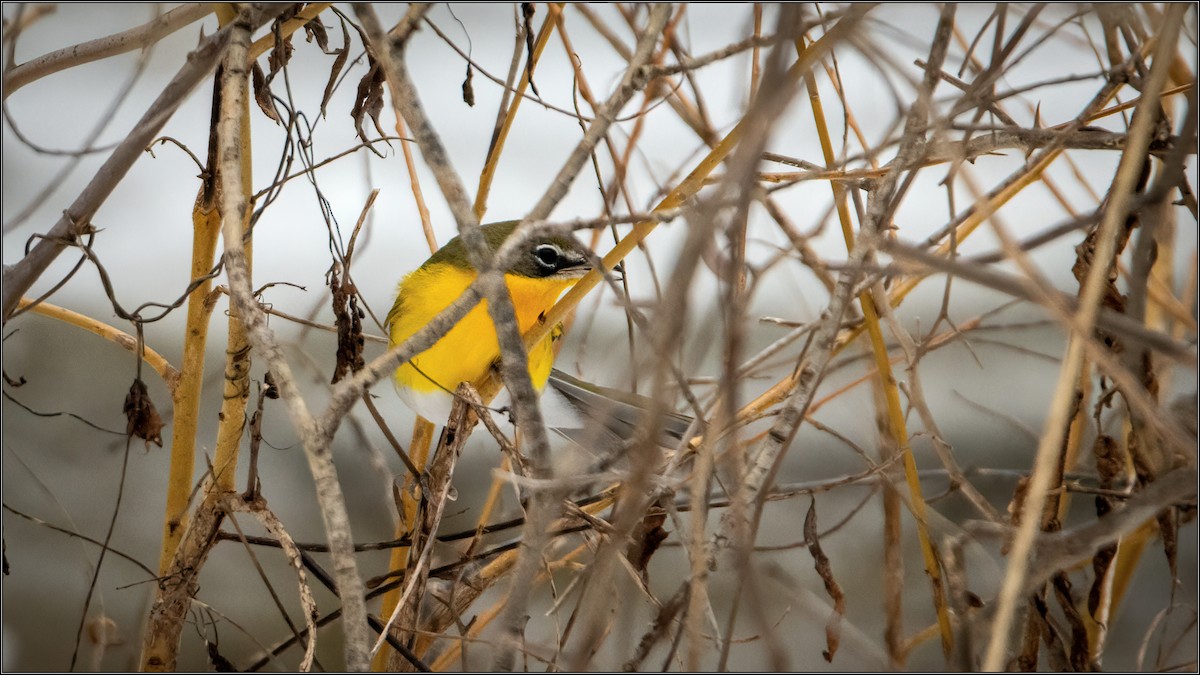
(548, 256)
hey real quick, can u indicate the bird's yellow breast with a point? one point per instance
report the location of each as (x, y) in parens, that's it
(470, 348)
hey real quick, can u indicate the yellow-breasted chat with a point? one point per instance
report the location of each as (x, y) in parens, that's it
(545, 267)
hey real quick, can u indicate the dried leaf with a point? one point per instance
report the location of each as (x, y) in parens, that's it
(142, 418)
(1100, 564)
(281, 54)
(348, 318)
(219, 663)
(1109, 462)
(1052, 635)
(1168, 529)
(1085, 254)
(1109, 467)
(1031, 637)
(645, 540)
(1014, 508)
(833, 627)
(270, 390)
(262, 94)
(374, 108)
(1080, 650)
(368, 100)
(468, 88)
(315, 30)
(339, 61)
(290, 13)
(1147, 461)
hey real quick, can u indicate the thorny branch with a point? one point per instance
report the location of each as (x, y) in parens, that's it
(1049, 447)
(613, 510)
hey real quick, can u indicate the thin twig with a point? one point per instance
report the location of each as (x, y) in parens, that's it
(1055, 426)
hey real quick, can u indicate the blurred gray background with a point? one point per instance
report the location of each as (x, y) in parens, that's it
(67, 473)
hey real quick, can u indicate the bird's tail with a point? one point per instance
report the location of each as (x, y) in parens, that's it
(615, 414)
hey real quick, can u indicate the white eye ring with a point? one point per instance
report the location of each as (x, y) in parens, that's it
(548, 256)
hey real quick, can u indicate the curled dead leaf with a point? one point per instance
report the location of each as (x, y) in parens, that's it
(833, 626)
(262, 94)
(468, 88)
(142, 419)
(348, 318)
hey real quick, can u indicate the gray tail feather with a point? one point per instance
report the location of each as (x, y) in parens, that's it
(616, 412)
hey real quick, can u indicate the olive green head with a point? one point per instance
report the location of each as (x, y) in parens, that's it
(546, 256)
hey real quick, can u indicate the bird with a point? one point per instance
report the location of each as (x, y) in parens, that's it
(546, 266)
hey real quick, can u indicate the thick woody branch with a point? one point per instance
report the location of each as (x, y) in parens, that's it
(513, 355)
(433, 506)
(160, 646)
(77, 218)
(490, 281)
(317, 445)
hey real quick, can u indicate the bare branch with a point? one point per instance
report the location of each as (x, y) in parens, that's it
(1056, 422)
(111, 45)
(77, 218)
(235, 213)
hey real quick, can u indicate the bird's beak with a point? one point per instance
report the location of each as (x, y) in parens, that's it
(577, 269)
